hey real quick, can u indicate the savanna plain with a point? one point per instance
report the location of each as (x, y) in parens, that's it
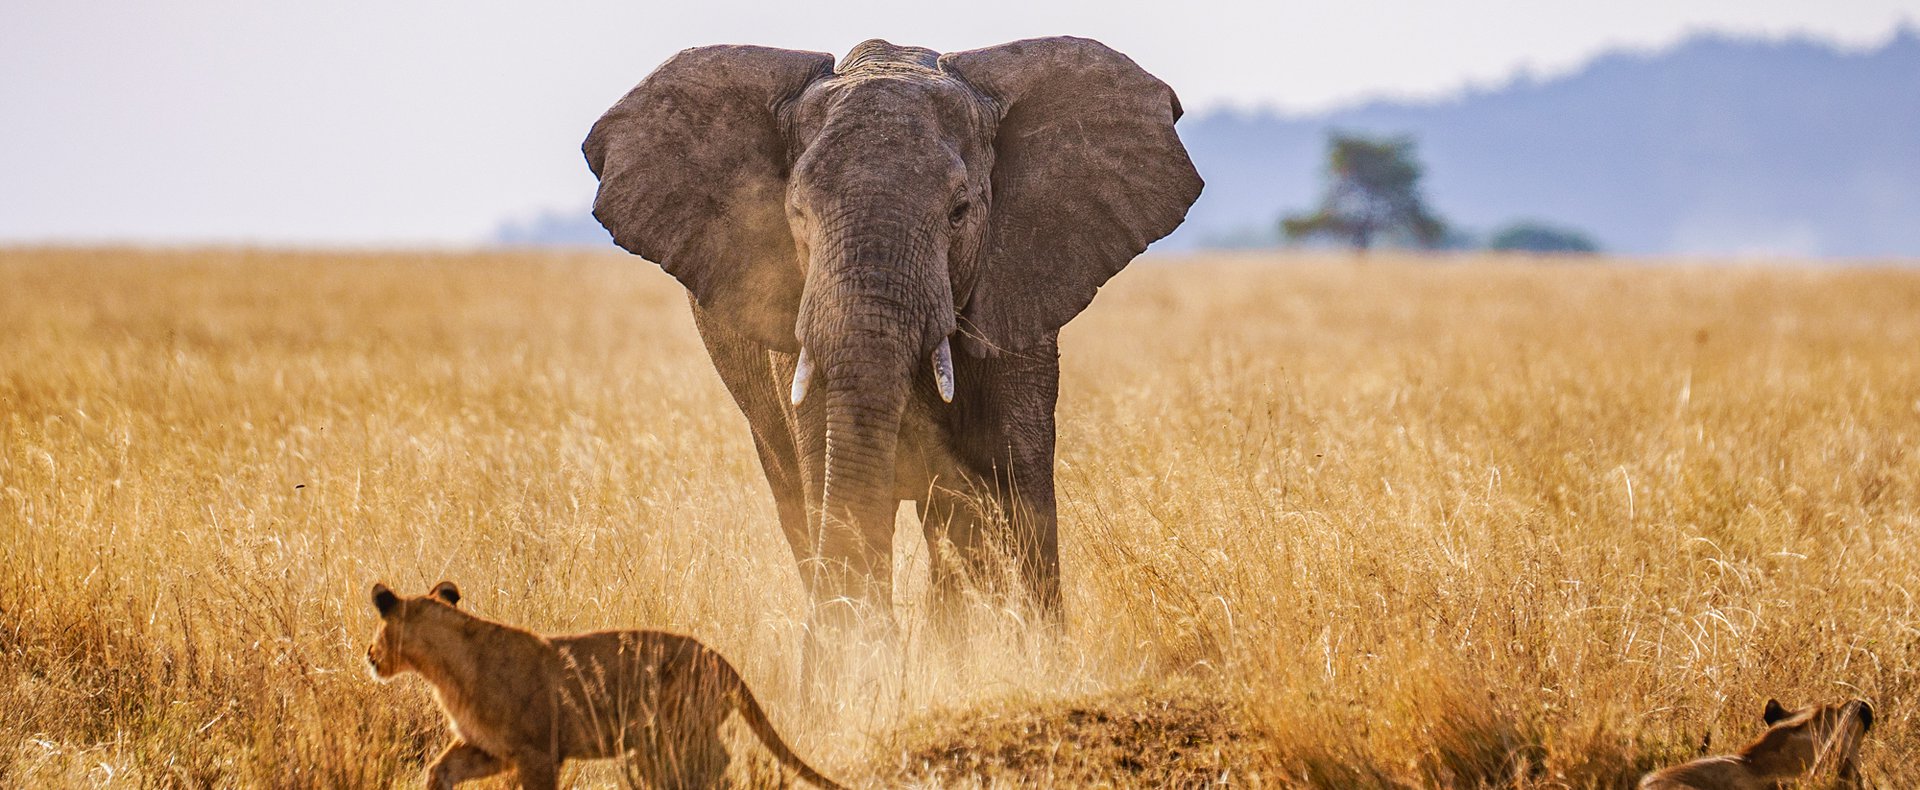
(1453, 522)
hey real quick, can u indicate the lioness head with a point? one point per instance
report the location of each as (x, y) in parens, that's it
(1818, 737)
(401, 617)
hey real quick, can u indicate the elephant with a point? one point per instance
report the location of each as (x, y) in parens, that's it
(879, 256)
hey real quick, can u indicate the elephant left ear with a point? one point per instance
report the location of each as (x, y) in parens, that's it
(1087, 172)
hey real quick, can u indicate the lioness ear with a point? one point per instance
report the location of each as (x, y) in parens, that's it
(384, 599)
(445, 591)
(1774, 711)
(1866, 715)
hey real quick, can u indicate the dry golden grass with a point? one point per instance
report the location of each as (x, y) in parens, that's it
(1474, 523)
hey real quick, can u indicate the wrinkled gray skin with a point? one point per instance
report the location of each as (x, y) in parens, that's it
(868, 214)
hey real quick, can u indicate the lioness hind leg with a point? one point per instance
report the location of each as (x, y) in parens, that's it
(697, 759)
(685, 760)
(461, 762)
(538, 771)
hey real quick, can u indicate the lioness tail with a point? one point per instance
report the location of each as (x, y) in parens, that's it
(757, 720)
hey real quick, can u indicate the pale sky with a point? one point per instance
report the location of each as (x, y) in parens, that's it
(428, 122)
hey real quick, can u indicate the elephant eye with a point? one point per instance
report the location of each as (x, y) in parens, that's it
(959, 212)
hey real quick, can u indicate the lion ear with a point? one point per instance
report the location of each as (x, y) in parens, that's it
(384, 599)
(1774, 712)
(445, 591)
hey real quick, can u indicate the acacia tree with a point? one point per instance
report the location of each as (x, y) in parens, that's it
(1373, 189)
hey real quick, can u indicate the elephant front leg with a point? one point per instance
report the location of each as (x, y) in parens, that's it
(996, 536)
(1024, 480)
(757, 378)
(1027, 491)
(954, 561)
(1003, 441)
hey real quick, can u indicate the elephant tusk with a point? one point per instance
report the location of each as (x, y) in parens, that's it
(802, 373)
(943, 370)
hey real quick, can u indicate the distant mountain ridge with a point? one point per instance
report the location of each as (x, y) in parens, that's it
(1714, 146)
(1717, 145)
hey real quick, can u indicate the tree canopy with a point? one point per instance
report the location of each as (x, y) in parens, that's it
(1373, 192)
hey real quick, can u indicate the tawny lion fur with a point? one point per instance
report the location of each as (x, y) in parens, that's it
(518, 700)
(1814, 742)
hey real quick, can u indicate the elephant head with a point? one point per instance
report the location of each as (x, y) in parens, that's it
(861, 216)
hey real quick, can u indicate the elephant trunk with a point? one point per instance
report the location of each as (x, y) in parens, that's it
(865, 396)
(868, 323)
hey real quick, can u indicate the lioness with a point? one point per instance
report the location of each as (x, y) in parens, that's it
(1798, 744)
(520, 700)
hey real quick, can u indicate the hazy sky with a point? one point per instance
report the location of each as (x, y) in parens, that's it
(407, 121)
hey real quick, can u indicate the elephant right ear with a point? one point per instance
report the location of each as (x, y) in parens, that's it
(693, 169)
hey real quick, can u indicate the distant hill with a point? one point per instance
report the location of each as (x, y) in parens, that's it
(553, 228)
(1716, 146)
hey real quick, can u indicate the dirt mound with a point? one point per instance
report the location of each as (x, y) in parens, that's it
(1140, 737)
